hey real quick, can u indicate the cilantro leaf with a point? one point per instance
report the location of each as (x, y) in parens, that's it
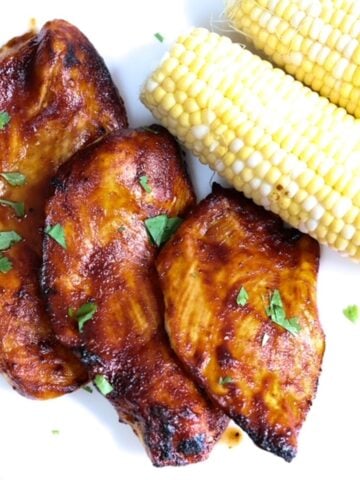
(5, 264)
(242, 297)
(55, 431)
(15, 179)
(4, 119)
(57, 233)
(103, 384)
(7, 239)
(161, 227)
(225, 380)
(277, 314)
(83, 314)
(352, 313)
(143, 180)
(159, 37)
(18, 207)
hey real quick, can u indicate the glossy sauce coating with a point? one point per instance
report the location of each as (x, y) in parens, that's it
(60, 97)
(110, 260)
(264, 377)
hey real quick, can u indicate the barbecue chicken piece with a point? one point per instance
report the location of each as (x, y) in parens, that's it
(102, 201)
(230, 272)
(56, 96)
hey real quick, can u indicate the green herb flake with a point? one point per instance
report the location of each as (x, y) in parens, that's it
(55, 431)
(4, 119)
(16, 179)
(8, 239)
(121, 229)
(83, 314)
(242, 297)
(225, 380)
(88, 389)
(143, 180)
(159, 37)
(5, 264)
(161, 228)
(18, 207)
(352, 313)
(103, 384)
(57, 233)
(276, 312)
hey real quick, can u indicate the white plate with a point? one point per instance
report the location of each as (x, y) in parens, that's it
(91, 444)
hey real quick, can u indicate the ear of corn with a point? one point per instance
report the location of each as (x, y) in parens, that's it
(317, 41)
(283, 145)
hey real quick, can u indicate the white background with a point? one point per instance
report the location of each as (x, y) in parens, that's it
(91, 443)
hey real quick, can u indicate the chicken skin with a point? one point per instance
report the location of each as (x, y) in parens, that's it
(240, 311)
(103, 201)
(56, 96)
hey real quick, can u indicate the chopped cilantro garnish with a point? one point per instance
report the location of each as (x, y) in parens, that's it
(57, 233)
(159, 37)
(161, 228)
(242, 297)
(121, 229)
(103, 384)
(352, 313)
(5, 264)
(88, 389)
(7, 239)
(18, 207)
(143, 180)
(225, 380)
(55, 432)
(15, 179)
(83, 314)
(4, 119)
(277, 314)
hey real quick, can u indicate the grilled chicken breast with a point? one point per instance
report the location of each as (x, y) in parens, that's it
(263, 376)
(102, 199)
(59, 97)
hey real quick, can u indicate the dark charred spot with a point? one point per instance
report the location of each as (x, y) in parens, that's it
(160, 432)
(45, 346)
(293, 235)
(70, 59)
(192, 446)
(58, 183)
(276, 442)
(102, 130)
(49, 291)
(279, 188)
(22, 293)
(90, 359)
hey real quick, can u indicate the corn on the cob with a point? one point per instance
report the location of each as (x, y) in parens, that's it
(283, 145)
(317, 41)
